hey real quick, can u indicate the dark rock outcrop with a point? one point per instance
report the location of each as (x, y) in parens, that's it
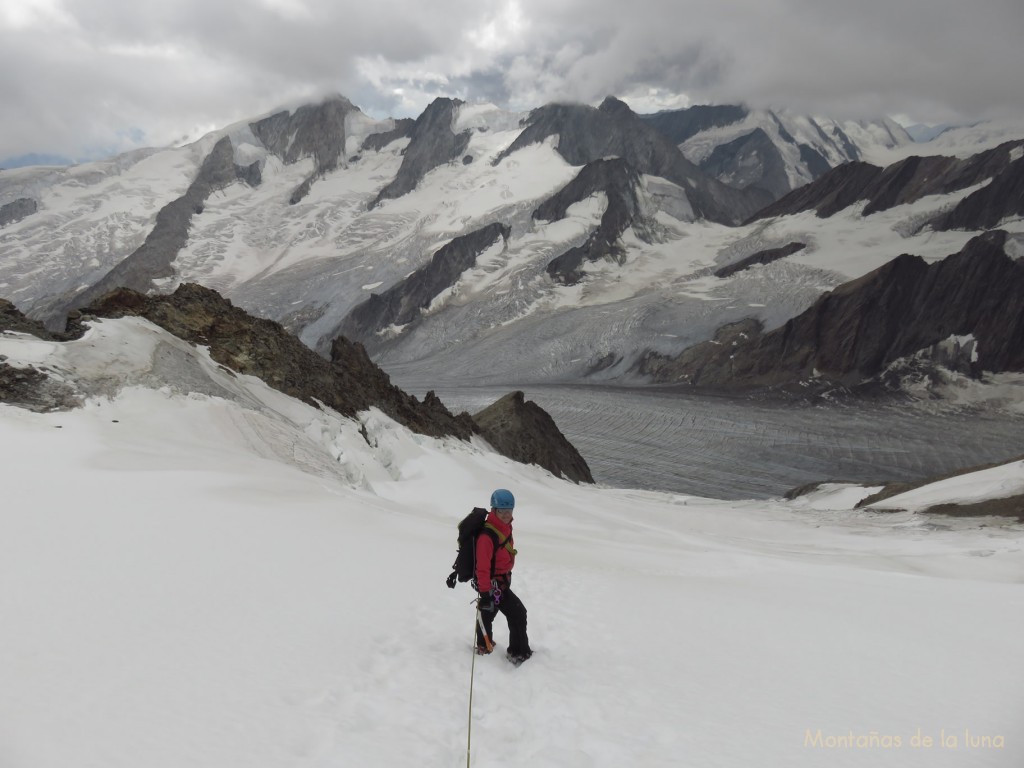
(614, 176)
(12, 319)
(710, 363)
(816, 162)
(619, 182)
(377, 141)
(757, 158)
(28, 387)
(905, 182)
(302, 190)
(853, 332)
(34, 390)
(761, 257)
(584, 133)
(908, 180)
(250, 174)
(153, 259)
(402, 303)
(523, 431)
(365, 384)
(432, 143)
(838, 189)
(349, 382)
(16, 210)
(1007, 506)
(985, 208)
(614, 130)
(316, 131)
(751, 160)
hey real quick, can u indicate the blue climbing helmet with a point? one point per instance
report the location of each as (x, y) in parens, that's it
(502, 499)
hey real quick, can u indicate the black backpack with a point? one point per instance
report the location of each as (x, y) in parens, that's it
(470, 528)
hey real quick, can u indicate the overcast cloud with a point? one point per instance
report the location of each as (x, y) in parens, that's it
(92, 77)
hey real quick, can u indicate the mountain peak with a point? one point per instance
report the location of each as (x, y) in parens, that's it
(614, 106)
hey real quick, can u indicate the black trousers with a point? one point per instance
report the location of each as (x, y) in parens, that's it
(515, 613)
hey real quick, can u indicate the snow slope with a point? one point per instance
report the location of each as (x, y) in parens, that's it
(996, 483)
(201, 571)
(961, 141)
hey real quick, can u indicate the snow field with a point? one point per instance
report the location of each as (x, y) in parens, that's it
(244, 580)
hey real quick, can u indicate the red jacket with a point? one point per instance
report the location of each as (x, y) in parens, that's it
(505, 558)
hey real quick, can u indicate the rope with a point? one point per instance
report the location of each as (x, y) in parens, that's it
(479, 623)
(472, 670)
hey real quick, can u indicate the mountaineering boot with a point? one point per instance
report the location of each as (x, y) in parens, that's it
(518, 658)
(482, 649)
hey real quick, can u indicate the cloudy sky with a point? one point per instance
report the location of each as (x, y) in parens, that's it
(85, 78)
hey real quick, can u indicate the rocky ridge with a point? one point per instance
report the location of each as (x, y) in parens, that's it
(619, 182)
(586, 134)
(16, 210)
(854, 332)
(377, 141)
(772, 150)
(1001, 198)
(349, 382)
(432, 143)
(404, 302)
(153, 259)
(910, 180)
(761, 257)
(316, 130)
(512, 425)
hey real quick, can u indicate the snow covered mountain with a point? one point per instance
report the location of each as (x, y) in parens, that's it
(474, 245)
(773, 150)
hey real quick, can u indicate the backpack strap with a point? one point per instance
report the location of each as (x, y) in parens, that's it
(500, 540)
(506, 542)
(491, 532)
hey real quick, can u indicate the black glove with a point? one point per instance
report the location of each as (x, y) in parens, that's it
(450, 581)
(486, 602)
